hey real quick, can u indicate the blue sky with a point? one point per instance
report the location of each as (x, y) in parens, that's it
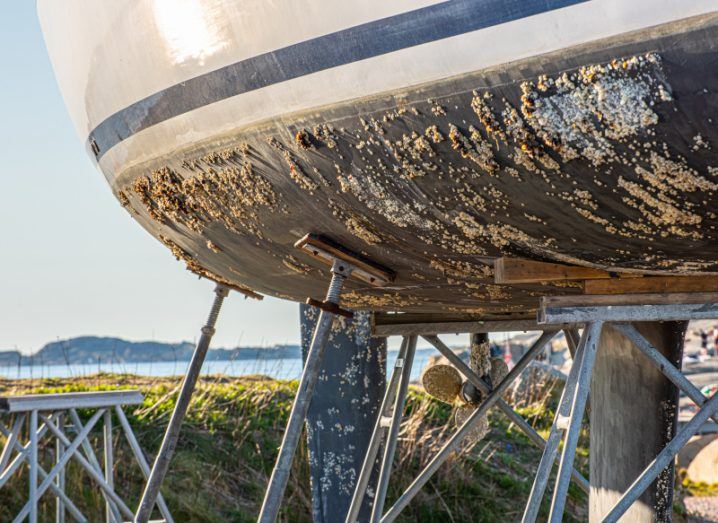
(72, 261)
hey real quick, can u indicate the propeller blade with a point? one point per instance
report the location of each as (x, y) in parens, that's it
(481, 428)
(442, 382)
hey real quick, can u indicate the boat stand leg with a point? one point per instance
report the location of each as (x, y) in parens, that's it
(377, 436)
(394, 424)
(169, 443)
(491, 399)
(572, 340)
(663, 460)
(310, 374)
(591, 337)
(554, 439)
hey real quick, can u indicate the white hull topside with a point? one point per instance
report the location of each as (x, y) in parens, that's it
(110, 55)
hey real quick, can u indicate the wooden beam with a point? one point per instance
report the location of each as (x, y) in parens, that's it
(652, 285)
(518, 270)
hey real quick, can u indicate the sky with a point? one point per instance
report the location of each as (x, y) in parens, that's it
(72, 261)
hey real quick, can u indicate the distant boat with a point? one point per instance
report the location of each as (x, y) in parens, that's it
(430, 136)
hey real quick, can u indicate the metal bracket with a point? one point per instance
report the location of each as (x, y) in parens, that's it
(328, 252)
(331, 308)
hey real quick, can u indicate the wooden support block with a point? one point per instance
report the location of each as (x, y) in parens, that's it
(518, 270)
(653, 284)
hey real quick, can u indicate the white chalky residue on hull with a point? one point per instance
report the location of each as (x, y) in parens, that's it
(376, 198)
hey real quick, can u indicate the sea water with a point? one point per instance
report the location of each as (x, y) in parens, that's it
(283, 369)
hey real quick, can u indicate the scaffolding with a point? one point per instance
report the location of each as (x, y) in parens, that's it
(55, 417)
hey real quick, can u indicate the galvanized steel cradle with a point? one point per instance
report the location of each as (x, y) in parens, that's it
(566, 427)
(567, 423)
(552, 318)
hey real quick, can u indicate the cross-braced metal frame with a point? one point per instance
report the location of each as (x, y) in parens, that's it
(492, 398)
(617, 313)
(55, 415)
(567, 423)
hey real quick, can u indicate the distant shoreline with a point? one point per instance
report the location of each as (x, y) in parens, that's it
(91, 350)
(276, 368)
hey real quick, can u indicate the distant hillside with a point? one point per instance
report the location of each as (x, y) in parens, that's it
(94, 349)
(91, 349)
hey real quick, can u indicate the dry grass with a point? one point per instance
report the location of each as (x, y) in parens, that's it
(229, 444)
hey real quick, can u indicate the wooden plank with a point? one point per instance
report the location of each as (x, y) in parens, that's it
(653, 285)
(518, 270)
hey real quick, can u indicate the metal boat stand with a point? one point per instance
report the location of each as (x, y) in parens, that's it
(344, 264)
(389, 420)
(56, 415)
(169, 442)
(570, 314)
(616, 312)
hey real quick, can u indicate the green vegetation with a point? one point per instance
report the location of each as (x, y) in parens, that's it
(229, 444)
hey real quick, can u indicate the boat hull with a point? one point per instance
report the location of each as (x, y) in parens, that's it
(599, 154)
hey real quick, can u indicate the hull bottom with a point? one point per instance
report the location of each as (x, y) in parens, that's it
(602, 156)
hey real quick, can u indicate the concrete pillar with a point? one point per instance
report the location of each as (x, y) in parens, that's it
(633, 414)
(343, 411)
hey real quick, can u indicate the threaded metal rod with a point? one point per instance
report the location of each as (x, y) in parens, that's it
(169, 443)
(335, 288)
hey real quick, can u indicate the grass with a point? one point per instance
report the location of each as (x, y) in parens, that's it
(229, 443)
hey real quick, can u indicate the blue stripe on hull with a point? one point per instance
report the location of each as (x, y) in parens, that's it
(369, 40)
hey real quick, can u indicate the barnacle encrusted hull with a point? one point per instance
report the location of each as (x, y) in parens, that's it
(600, 155)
